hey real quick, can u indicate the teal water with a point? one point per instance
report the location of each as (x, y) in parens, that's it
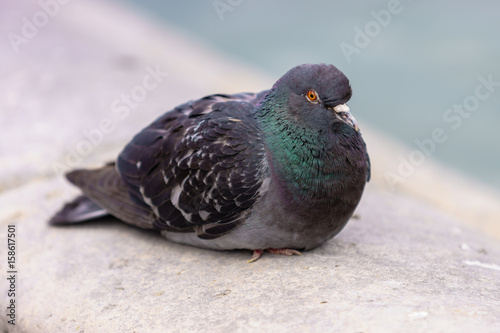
(417, 67)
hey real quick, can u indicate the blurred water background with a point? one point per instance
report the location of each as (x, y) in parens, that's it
(412, 64)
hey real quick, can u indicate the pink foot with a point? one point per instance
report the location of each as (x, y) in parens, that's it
(287, 252)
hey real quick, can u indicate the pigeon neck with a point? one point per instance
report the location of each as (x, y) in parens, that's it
(301, 159)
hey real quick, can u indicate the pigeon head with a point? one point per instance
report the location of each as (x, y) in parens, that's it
(316, 96)
(307, 127)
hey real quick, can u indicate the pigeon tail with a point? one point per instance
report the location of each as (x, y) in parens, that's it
(81, 209)
(106, 187)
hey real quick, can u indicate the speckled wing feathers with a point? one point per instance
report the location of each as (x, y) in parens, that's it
(199, 167)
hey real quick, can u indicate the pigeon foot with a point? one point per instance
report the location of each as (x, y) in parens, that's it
(287, 252)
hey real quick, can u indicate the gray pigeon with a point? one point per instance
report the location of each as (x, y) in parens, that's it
(281, 170)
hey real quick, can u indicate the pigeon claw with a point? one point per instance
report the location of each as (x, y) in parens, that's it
(256, 255)
(287, 252)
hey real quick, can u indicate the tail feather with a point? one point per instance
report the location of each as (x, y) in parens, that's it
(79, 210)
(104, 193)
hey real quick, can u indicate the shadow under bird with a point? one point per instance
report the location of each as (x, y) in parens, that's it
(282, 170)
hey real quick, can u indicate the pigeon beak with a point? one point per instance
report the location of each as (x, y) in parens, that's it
(342, 110)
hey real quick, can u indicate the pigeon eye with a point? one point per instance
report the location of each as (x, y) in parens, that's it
(312, 96)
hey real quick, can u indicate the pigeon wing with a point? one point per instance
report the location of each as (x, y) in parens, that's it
(200, 168)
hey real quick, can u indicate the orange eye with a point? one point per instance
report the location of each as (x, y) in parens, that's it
(312, 95)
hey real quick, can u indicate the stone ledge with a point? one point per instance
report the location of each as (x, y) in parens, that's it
(398, 266)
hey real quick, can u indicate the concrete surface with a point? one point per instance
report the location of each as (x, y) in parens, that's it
(404, 264)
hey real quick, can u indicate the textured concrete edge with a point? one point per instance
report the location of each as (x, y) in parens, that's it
(128, 32)
(446, 189)
(389, 283)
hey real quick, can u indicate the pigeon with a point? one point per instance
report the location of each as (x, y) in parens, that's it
(279, 171)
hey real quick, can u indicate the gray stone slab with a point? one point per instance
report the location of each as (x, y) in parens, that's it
(398, 266)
